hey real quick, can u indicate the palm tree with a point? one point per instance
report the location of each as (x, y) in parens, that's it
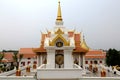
(17, 58)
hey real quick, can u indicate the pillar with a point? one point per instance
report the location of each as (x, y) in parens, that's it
(41, 59)
(68, 60)
(83, 57)
(38, 60)
(50, 58)
(80, 59)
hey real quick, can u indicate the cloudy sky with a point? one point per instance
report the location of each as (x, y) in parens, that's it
(21, 21)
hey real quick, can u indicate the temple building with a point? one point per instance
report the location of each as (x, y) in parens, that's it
(62, 52)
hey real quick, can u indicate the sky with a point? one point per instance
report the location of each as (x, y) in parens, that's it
(22, 21)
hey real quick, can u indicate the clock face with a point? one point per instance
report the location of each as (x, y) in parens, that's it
(59, 44)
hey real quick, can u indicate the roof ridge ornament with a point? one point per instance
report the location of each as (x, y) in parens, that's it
(59, 20)
(84, 45)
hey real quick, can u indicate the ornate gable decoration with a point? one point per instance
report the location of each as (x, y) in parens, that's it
(59, 31)
(59, 37)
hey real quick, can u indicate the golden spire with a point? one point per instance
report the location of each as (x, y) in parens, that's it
(59, 15)
(84, 45)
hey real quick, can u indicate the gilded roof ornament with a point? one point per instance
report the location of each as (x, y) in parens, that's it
(59, 15)
(84, 45)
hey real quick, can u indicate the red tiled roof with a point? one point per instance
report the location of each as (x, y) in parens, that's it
(27, 52)
(79, 49)
(4, 60)
(70, 34)
(41, 49)
(8, 57)
(95, 54)
(77, 37)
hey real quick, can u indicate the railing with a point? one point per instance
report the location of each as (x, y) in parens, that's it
(76, 66)
(99, 78)
(8, 73)
(11, 72)
(115, 70)
(82, 78)
(42, 66)
(17, 78)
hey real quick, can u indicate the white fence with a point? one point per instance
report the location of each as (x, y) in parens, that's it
(32, 78)
(100, 78)
(17, 78)
(11, 72)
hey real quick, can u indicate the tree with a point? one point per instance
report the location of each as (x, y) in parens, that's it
(17, 58)
(113, 57)
(1, 57)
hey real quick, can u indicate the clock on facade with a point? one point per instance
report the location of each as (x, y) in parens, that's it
(59, 44)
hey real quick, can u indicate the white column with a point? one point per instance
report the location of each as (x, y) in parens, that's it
(80, 59)
(50, 59)
(68, 60)
(40, 57)
(83, 61)
(38, 60)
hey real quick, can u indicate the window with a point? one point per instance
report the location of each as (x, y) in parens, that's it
(91, 62)
(86, 62)
(29, 58)
(100, 61)
(23, 63)
(95, 62)
(28, 62)
(35, 62)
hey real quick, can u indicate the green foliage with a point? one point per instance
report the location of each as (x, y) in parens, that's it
(20, 57)
(113, 57)
(9, 50)
(1, 57)
(17, 58)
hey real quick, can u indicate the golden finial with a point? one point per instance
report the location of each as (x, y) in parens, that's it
(59, 15)
(59, 1)
(84, 45)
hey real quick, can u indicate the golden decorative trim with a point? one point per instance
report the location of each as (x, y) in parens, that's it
(59, 15)
(59, 31)
(59, 37)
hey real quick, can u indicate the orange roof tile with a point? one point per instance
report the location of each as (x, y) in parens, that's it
(79, 49)
(77, 37)
(43, 37)
(29, 55)
(8, 57)
(27, 52)
(49, 33)
(41, 49)
(70, 34)
(95, 54)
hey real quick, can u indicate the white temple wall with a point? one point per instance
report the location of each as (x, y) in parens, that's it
(50, 58)
(68, 60)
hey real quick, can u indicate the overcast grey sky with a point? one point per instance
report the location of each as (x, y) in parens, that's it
(22, 20)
